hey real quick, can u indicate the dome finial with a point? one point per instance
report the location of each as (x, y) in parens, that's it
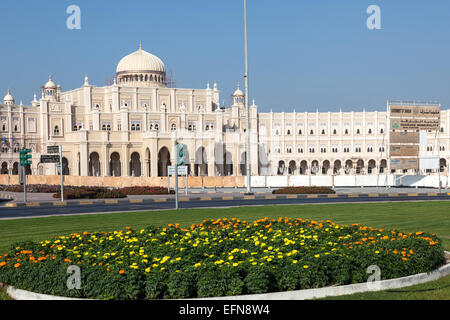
(140, 45)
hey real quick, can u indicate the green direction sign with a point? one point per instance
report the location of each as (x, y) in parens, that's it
(181, 154)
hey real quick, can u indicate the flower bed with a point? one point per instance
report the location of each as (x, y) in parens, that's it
(146, 191)
(88, 192)
(91, 193)
(105, 193)
(217, 258)
(304, 190)
(34, 188)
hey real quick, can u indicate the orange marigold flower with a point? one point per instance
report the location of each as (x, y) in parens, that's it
(2, 264)
(122, 271)
(17, 265)
(68, 260)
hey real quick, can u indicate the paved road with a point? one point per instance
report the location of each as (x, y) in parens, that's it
(33, 212)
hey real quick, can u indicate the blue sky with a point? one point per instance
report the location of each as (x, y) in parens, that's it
(303, 54)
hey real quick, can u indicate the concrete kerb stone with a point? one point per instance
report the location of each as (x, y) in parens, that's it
(18, 294)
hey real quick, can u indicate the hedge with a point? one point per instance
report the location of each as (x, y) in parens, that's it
(304, 190)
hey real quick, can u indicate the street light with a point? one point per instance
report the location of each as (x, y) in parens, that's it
(249, 188)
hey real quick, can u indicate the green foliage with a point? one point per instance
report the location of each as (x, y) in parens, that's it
(304, 190)
(259, 280)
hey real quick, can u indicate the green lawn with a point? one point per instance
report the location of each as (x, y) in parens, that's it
(3, 296)
(405, 216)
(435, 290)
(409, 217)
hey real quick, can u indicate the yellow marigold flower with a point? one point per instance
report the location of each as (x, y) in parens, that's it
(294, 261)
(305, 267)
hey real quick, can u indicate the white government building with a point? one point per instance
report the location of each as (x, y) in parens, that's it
(128, 129)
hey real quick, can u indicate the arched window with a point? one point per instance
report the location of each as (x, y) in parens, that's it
(173, 127)
(288, 149)
(346, 131)
(334, 131)
(56, 131)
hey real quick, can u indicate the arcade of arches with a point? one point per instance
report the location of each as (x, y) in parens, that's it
(221, 164)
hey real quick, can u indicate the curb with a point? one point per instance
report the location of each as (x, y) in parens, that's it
(18, 294)
(5, 197)
(227, 198)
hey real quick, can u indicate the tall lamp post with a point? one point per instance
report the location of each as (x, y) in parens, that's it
(249, 188)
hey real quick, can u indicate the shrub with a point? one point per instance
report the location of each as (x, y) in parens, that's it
(304, 190)
(146, 191)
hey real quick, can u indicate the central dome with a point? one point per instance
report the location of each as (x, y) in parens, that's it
(140, 61)
(141, 69)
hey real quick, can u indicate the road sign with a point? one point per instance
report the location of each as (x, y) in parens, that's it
(182, 170)
(52, 149)
(50, 158)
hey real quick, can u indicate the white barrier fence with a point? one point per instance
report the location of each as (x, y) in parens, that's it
(431, 181)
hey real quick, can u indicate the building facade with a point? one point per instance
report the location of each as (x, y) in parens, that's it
(129, 128)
